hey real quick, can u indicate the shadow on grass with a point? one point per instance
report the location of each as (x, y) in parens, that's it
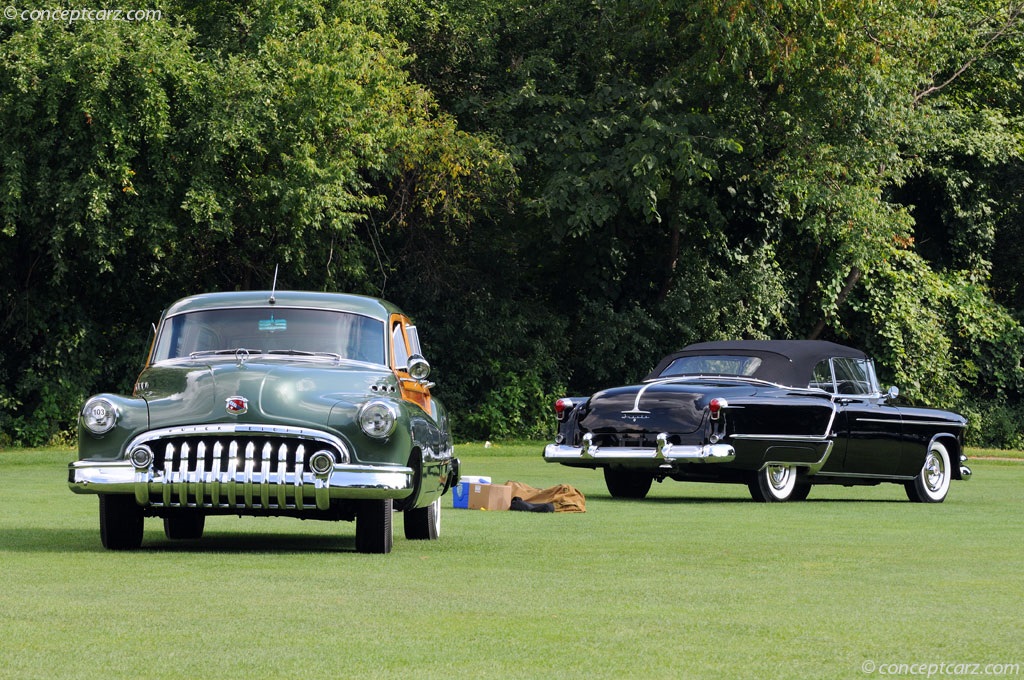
(709, 500)
(256, 543)
(45, 540)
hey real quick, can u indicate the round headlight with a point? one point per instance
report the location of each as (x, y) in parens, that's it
(377, 418)
(99, 416)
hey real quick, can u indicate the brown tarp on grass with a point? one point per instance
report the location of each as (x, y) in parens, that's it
(565, 498)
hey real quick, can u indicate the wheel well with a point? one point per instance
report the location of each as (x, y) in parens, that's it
(954, 450)
(416, 463)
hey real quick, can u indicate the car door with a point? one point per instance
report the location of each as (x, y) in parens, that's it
(405, 344)
(869, 430)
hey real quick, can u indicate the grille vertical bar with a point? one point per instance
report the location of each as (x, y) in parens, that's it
(202, 475)
(282, 476)
(215, 474)
(300, 456)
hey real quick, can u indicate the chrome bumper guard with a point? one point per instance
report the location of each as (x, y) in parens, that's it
(662, 452)
(965, 472)
(247, 489)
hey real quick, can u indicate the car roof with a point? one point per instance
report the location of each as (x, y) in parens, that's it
(786, 362)
(358, 304)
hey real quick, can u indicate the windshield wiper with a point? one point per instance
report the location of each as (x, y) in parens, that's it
(214, 352)
(304, 353)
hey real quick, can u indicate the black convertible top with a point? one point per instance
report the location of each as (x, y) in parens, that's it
(785, 362)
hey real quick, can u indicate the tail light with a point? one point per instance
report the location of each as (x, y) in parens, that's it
(716, 405)
(561, 406)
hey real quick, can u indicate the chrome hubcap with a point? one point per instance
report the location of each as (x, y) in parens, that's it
(778, 476)
(934, 474)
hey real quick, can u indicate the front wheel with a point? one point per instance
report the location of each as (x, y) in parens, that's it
(121, 521)
(773, 484)
(424, 524)
(627, 483)
(374, 532)
(932, 483)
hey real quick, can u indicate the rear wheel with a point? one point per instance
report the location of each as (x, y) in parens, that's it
(423, 524)
(801, 491)
(627, 483)
(120, 522)
(932, 483)
(185, 525)
(374, 531)
(773, 484)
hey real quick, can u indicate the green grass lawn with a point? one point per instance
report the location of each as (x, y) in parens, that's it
(695, 581)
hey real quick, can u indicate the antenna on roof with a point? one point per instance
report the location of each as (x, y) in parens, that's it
(273, 287)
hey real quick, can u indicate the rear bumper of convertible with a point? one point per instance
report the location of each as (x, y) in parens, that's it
(663, 452)
(243, 489)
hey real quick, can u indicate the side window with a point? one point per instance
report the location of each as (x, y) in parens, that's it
(853, 376)
(822, 377)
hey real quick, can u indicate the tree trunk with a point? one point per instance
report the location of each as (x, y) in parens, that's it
(851, 280)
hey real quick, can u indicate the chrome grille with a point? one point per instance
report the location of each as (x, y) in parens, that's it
(235, 468)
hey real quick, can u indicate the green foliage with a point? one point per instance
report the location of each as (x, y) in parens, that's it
(146, 160)
(560, 191)
(517, 406)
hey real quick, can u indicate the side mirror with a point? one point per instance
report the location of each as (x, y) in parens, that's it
(419, 368)
(892, 393)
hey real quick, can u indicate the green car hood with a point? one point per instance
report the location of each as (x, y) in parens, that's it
(297, 393)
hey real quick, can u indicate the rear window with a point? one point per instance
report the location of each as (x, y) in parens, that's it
(742, 366)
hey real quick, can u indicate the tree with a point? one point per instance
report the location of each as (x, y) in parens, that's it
(726, 169)
(143, 161)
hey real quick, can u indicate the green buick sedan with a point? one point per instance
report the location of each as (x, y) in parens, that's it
(296, 404)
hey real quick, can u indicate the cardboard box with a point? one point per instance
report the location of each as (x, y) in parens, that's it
(460, 492)
(490, 497)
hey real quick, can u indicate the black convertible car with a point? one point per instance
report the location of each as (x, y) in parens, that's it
(776, 415)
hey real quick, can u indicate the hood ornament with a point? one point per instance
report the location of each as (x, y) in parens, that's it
(236, 406)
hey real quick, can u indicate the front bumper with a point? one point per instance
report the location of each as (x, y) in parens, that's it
(249, 488)
(240, 467)
(664, 452)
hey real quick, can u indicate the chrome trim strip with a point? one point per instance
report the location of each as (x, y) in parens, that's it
(239, 428)
(812, 468)
(865, 475)
(710, 453)
(783, 437)
(932, 423)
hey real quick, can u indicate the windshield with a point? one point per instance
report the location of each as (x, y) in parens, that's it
(315, 332)
(712, 365)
